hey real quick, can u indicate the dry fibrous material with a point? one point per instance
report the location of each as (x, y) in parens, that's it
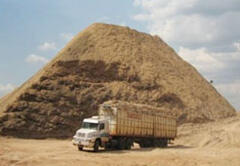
(108, 62)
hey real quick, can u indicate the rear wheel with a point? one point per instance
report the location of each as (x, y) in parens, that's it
(146, 143)
(96, 145)
(143, 144)
(128, 144)
(108, 146)
(121, 144)
(156, 143)
(80, 148)
(163, 142)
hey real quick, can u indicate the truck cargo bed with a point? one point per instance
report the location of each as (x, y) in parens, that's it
(137, 120)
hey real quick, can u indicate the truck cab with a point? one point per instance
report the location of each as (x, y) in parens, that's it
(92, 134)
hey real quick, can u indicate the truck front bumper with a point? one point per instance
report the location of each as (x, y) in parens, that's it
(82, 142)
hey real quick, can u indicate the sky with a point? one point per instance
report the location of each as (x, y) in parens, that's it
(205, 33)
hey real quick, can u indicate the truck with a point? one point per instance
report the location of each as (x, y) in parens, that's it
(119, 124)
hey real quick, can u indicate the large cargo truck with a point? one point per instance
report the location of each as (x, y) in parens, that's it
(119, 124)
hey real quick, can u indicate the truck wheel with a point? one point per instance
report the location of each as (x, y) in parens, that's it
(96, 146)
(121, 144)
(128, 144)
(156, 143)
(108, 146)
(80, 148)
(142, 145)
(165, 143)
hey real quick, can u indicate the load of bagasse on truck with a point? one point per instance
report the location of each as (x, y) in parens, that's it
(119, 124)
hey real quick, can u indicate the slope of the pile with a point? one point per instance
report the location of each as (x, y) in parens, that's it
(106, 62)
(221, 134)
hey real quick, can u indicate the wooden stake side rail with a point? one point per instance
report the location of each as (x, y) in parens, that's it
(139, 121)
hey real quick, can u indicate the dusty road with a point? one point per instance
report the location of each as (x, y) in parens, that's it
(209, 144)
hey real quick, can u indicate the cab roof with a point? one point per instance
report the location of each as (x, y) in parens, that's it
(94, 119)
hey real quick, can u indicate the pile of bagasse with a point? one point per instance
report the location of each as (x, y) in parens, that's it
(107, 62)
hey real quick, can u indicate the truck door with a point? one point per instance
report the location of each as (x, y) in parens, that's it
(103, 132)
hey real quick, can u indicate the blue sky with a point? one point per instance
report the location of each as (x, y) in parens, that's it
(203, 32)
(26, 25)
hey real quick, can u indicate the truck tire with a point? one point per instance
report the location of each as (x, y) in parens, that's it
(108, 146)
(165, 143)
(121, 144)
(128, 144)
(80, 148)
(157, 143)
(142, 145)
(96, 146)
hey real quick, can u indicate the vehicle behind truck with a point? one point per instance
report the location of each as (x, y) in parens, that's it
(119, 124)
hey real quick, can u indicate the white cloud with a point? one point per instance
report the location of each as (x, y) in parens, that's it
(66, 36)
(103, 19)
(168, 7)
(205, 33)
(219, 67)
(123, 24)
(202, 59)
(232, 88)
(47, 46)
(231, 91)
(189, 22)
(36, 59)
(237, 46)
(4, 89)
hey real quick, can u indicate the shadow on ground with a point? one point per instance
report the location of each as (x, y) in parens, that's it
(139, 149)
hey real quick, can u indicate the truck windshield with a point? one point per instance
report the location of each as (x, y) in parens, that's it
(87, 125)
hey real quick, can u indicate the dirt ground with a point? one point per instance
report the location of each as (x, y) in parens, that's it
(216, 143)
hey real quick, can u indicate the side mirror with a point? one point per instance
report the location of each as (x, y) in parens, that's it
(101, 126)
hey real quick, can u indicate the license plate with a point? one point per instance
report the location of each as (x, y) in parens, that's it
(84, 142)
(80, 141)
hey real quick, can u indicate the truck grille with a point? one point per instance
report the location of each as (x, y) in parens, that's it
(81, 134)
